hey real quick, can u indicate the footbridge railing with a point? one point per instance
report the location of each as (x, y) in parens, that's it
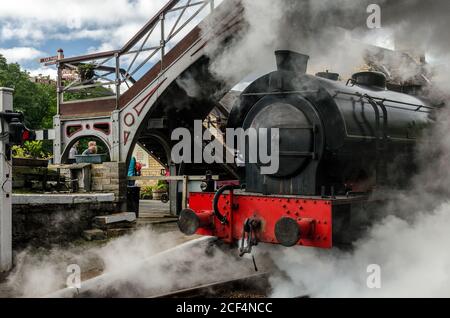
(97, 84)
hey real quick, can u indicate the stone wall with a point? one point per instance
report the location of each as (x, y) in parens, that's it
(110, 177)
(41, 219)
(32, 177)
(44, 220)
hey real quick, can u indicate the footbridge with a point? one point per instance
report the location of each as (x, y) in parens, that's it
(160, 80)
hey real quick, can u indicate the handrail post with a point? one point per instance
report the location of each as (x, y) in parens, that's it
(59, 90)
(118, 81)
(163, 40)
(212, 5)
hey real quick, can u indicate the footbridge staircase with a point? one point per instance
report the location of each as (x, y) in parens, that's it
(158, 81)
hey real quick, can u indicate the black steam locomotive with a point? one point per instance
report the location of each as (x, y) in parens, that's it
(332, 136)
(338, 141)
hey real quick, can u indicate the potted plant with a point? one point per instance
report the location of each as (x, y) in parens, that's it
(160, 189)
(147, 193)
(31, 154)
(86, 71)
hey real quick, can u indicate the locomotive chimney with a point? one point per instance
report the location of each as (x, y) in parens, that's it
(291, 61)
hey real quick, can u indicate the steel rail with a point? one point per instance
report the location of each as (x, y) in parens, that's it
(256, 283)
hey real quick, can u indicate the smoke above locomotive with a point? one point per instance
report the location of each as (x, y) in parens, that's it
(339, 142)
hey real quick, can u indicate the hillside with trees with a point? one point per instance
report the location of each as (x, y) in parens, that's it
(37, 101)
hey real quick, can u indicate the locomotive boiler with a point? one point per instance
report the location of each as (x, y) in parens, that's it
(337, 143)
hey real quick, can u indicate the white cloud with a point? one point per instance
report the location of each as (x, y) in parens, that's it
(111, 22)
(34, 21)
(21, 54)
(74, 14)
(21, 32)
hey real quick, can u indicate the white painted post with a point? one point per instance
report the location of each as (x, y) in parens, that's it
(57, 141)
(6, 103)
(116, 145)
(185, 192)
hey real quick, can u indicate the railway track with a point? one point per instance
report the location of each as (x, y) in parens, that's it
(254, 286)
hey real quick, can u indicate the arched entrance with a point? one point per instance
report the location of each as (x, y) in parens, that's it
(81, 144)
(179, 107)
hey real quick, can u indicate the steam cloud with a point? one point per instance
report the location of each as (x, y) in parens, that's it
(142, 264)
(40, 273)
(411, 246)
(335, 35)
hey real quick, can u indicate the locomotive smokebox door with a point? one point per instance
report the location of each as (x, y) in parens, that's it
(300, 145)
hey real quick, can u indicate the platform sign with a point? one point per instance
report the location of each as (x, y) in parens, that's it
(47, 60)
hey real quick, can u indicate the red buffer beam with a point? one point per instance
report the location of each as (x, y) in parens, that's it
(280, 220)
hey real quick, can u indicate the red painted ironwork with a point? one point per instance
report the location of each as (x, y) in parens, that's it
(76, 130)
(129, 120)
(103, 127)
(126, 136)
(140, 107)
(314, 216)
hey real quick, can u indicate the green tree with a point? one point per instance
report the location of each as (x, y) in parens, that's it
(36, 101)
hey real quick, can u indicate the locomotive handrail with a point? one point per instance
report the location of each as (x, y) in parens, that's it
(282, 93)
(222, 218)
(381, 164)
(380, 100)
(377, 119)
(385, 114)
(384, 100)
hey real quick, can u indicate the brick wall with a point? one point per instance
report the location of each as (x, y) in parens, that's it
(151, 167)
(154, 170)
(110, 177)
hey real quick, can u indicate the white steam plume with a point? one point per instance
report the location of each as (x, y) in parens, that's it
(333, 32)
(411, 247)
(142, 264)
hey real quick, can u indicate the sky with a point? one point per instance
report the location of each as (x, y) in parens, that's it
(32, 29)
